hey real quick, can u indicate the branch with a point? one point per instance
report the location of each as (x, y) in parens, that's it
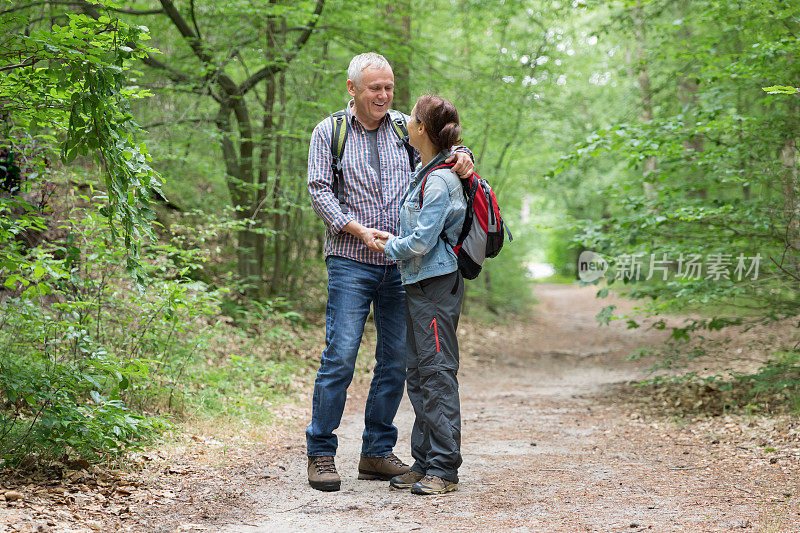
(37, 4)
(88, 9)
(170, 122)
(224, 81)
(174, 74)
(270, 70)
(136, 12)
(80, 3)
(31, 22)
(186, 32)
(236, 51)
(793, 276)
(27, 63)
(194, 20)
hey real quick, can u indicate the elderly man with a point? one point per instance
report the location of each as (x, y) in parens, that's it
(357, 204)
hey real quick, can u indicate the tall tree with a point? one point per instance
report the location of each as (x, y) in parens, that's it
(645, 86)
(220, 72)
(399, 15)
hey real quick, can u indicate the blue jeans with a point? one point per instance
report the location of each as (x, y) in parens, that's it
(352, 286)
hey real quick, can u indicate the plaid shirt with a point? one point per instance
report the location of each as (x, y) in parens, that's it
(373, 202)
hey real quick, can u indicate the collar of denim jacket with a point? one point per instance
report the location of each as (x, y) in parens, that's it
(438, 160)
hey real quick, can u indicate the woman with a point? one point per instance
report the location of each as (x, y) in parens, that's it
(434, 292)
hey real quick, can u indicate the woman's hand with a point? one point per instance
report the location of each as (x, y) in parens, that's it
(367, 235)
(380, 242)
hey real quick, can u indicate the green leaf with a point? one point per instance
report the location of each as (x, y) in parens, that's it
(781, 89)
(98, 399)
(606, 315)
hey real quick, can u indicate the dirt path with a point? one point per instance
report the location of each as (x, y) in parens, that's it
(548, 444)
(547, 449)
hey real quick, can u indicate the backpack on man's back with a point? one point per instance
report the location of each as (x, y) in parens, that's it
(338, 139)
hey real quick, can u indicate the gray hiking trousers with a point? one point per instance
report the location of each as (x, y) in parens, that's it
(432, 311)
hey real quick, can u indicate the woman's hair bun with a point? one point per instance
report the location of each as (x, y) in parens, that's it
(449, 135)
(441, 120)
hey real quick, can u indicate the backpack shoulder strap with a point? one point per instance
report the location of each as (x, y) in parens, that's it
(470, 190)
(398, 123)
(339, 129)
(338, 134)
(424, 179)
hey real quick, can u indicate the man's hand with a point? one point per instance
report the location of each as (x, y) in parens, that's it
(464, 165)
(367, 235)
(371, 237)
(381, 244)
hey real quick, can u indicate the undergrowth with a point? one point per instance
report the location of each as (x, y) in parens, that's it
(772, 388)
(95, 364)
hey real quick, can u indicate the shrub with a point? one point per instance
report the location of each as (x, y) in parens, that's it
(88, 355)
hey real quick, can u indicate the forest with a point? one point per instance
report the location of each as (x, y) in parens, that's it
(160, 260)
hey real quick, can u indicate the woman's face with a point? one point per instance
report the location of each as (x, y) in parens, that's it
(416, 130)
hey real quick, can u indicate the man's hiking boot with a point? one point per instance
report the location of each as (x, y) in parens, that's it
(433, 485)
(322, 473)
(384, 468)
(405, 481)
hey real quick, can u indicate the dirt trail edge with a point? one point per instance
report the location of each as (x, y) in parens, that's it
(546, 448)
(553, 440)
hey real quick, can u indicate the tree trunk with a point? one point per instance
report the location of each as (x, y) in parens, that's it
(645, 92)
(687, 95)
(466, 35)
(791, 209)
(399, 16)
(237, 175)
(278, 205)
(245, 187)
(487, 279)
(269, 144)
(791, 189)
(248, 269)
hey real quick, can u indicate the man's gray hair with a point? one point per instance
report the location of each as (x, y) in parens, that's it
(362, 61)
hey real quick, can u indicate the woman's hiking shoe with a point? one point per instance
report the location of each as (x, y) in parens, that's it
(433, 485)
(404, 481)
(383, 468)
(322, 473)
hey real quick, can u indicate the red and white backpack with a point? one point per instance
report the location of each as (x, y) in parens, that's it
(483, 230)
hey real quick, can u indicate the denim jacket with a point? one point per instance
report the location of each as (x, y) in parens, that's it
(418, 250)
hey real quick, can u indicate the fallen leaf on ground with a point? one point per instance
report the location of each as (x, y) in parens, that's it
(12, 495)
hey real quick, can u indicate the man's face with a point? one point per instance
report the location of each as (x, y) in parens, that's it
(373, 96)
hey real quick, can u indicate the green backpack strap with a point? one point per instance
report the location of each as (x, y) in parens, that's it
(399, 128)
(338, 138)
